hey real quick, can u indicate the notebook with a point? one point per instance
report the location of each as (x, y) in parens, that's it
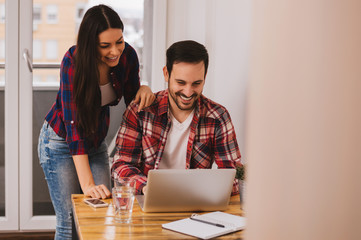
(182, 190)
(206, 228)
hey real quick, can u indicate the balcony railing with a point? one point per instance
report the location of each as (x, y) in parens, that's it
(39, 65)
(38, 85)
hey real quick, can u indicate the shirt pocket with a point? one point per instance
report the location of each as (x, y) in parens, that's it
(202, 155)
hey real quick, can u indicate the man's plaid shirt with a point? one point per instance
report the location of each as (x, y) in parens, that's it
(142, 138)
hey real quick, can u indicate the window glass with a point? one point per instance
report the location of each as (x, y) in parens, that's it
(2, 49)
(2, 12)
(51, 49)
(36, 78)
(37, 49)
(51, 78)
(37, 13)
(52, 13)
(53, 36)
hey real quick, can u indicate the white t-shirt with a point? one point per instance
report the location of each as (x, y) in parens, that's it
(175, 150)
(107, 93)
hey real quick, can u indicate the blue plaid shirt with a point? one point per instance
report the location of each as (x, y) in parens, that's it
(62, 115)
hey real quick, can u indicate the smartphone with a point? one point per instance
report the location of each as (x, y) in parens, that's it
(94, 202)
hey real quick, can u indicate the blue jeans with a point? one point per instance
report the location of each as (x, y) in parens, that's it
(61, 176)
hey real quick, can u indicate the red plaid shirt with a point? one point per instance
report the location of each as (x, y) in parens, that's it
(62, 115)
(142, 137)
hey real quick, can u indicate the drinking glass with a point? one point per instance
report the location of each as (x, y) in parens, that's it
(123, 198)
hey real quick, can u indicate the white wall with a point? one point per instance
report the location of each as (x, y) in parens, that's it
(303, 106)
(304, 121)
(224, 28)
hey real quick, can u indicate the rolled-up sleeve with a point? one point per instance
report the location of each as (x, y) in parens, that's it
(76, 142)
(227, 154)
(127, 159)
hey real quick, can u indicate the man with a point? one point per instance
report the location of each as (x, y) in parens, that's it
(182, 128)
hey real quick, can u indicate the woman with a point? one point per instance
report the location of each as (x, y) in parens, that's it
(94, 74)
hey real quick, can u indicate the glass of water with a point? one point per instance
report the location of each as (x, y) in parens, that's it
(123, 198)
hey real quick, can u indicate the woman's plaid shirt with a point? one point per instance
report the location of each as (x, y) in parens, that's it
(62, 115)
(142, 136)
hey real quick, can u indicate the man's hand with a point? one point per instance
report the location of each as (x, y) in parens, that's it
(144, 97)
(144, 189)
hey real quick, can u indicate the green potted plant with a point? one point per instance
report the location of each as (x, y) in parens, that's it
(240, 175)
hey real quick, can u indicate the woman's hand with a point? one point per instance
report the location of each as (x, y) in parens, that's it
(97, 191)
(144, 97)
(86, 179)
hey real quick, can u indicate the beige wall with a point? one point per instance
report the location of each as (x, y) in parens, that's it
(304, 121)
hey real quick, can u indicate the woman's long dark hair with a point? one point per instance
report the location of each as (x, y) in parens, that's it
(86, 90)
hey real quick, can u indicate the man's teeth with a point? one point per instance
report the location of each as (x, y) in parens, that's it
(186, 98)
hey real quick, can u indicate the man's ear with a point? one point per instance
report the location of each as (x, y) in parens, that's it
(165, 73)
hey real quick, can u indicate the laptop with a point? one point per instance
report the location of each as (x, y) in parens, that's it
(183, 190)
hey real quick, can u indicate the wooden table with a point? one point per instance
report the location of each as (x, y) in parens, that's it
(99, 223)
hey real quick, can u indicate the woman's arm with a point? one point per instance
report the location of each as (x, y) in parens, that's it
(86, 180)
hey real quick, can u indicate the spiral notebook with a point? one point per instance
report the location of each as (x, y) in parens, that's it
(208, 225)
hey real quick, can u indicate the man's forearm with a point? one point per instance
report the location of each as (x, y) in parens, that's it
(123, 169)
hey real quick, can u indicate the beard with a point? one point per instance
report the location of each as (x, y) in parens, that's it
(177, 99)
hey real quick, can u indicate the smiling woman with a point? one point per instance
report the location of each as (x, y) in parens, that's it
(72, 150)
(47, 30)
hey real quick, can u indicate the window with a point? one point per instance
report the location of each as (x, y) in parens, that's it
(36, 14)
(54, 31)
(36, 78)
(80, 10)
(37, 49)
(52, 49)
(2, 49)
(79, 14)
(52, 14)
(2, 12)
(51, 78)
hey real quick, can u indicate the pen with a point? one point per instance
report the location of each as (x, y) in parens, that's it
(211, 223)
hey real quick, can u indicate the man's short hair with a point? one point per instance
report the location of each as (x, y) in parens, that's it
(186, 51)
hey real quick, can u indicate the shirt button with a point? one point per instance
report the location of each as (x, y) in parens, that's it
(118, 99)
(72, 122)
(111, 73)
(113, 84)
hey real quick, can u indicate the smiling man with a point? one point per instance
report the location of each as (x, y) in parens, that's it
(182, 129)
